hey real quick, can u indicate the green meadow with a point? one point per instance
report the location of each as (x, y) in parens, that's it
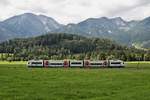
(18, 82)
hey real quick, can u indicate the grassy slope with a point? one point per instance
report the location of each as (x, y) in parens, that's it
(19, 82)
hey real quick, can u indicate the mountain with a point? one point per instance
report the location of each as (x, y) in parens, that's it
(49, 23)
(140, 33)
(124, 32)
(96, 26)
(131, 33)
(115, 28)
(4, 33)
(28, 25)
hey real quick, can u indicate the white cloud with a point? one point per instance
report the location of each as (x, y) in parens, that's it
(67, 11)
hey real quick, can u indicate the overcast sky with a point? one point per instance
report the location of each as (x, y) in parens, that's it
(73, 11)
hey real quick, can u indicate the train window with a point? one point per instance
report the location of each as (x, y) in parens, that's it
(56, 63)
(96, 63)
(76, 63)
(115, 62)
(36, 62)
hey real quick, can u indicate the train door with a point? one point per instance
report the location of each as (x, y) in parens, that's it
(46, 63)
(66, 64)
(86, 63)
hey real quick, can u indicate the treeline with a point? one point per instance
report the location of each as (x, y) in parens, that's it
(68, 46)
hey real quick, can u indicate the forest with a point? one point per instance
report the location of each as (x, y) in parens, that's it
(68, 46)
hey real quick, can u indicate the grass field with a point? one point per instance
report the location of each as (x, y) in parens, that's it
(21, 83)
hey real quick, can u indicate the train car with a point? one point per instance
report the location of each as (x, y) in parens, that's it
(35, 63)
(54, 63)
(76, 63)
(95, 64)
(116, 63)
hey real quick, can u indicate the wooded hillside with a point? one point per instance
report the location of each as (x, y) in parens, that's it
(68, 46)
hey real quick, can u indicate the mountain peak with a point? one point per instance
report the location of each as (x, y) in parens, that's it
(28, 14)
(119, 21)
(146, 21)
(117, 18)
(105, 18)
(45, 17)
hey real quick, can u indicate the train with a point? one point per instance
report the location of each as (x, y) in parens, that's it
(76, 63)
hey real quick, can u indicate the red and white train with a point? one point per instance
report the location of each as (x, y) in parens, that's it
(76, 63)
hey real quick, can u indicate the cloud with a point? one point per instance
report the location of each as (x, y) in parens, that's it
(143, 2)
(68, 11)
(132, 11)
(127, 8)
(4, 3)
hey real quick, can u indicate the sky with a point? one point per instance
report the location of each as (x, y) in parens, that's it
(74, 11)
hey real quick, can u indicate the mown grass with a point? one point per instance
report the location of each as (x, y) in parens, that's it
(21, 83)
(13, 62)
